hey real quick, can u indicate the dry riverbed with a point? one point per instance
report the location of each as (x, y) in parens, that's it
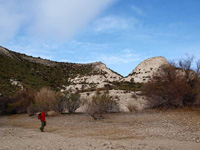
(148, 130)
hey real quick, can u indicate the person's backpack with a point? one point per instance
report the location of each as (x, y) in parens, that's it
(39, 116)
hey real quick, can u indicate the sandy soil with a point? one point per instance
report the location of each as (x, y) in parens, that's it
(149, 130)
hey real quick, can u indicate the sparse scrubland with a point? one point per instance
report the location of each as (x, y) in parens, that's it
(177, 129)
(173, 86)
(163, 113)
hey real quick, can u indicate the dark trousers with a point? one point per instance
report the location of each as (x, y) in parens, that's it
(43, 124)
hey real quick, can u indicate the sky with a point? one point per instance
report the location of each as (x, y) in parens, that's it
(119, 33)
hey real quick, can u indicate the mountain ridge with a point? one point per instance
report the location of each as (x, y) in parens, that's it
(20, 71)
(38, 72)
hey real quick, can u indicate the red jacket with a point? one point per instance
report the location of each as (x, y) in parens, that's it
(42, 116)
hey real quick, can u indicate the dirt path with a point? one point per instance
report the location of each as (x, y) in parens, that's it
(174, 130)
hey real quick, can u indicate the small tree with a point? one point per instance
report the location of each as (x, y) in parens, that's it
(69, 101)
(24, 99)
(73, 101)
(45, 100)
(173, 86)
(101, 103)
(60, 98)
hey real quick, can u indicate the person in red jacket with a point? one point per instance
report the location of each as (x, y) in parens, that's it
(41, 116)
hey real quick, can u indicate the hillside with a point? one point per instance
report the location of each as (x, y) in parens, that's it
(18, 71)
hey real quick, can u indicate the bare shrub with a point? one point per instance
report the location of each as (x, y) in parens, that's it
(69, 101)
(5, 103)
(24, 99)
(132, 106)
(60, 98)
(137, 105)
(101, 103)
(32, 109)
(172, 86)
(45, 100)
(73, 101)
(18, 103)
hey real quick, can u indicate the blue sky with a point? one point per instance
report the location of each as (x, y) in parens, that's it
(120, 33)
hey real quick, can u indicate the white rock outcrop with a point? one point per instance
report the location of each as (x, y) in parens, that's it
(145, 70)
(123, 98)
(102, 77)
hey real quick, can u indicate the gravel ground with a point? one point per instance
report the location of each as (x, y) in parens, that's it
(147, 130)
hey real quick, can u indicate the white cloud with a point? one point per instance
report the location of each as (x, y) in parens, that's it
(138, 10)
(64, 18)
(11, 20)
(34, 49)
(123, 57)
(114, 23)
(74, 44)
(47, 19)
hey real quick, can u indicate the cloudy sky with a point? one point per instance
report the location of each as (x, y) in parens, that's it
(120, 33)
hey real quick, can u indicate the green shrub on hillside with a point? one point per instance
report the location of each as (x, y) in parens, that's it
(35, 75)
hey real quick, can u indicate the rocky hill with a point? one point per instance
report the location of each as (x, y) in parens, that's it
(18, 71)
(145, 70)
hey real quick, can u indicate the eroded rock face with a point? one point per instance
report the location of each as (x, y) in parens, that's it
(94, 75)
(141, 74)
(102, 76)
(145, 70)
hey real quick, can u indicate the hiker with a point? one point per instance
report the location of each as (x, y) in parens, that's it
(41, 116)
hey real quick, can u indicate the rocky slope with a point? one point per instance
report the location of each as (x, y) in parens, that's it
(33, 72)
(19, 70)
(145, 70)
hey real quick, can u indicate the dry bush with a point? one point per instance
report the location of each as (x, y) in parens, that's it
(24, 99)
(5, 105)
(18, 103)
(60, 98)
(32, 109)
(68, 101)
(132, 107)
(173, 86)
(137, 105)
(45, 100)
(101, 103)
(72, 101)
